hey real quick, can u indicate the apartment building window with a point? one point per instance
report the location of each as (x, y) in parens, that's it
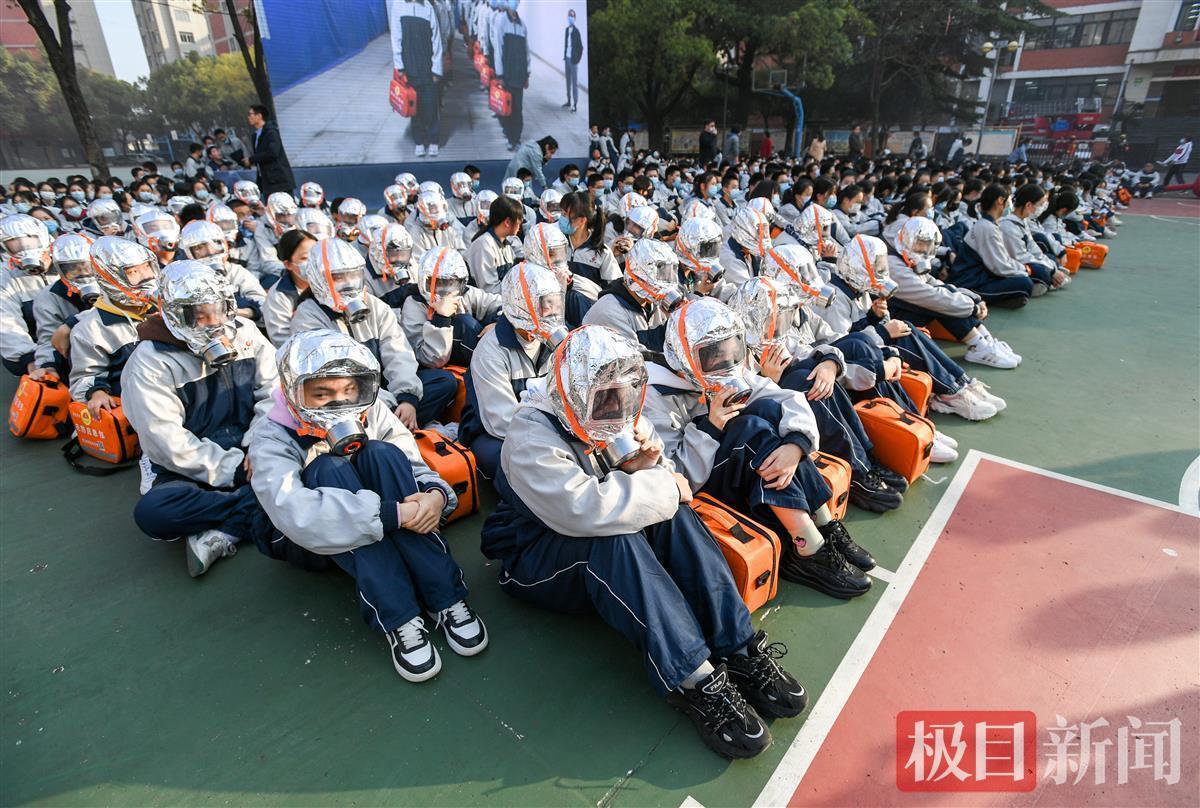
(182, 16)
(1189, 17)
(186, 36)
(1084, 30)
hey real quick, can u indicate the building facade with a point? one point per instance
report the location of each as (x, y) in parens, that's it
(91, 49)
(170, 30)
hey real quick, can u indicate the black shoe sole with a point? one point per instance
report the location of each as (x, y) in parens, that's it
(875, 504)
(712, 741)
(821, 585)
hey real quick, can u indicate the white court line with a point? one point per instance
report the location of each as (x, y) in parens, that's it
(690, 802)
(887, 576)
(803, 750)
(1173, 219)
(1189, 489)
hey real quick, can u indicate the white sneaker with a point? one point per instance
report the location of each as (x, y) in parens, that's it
(1006, 348)
(964, 404)
(986, 352)
(465, 632)
(205, 548)
(946, 439)
(420, 150)
(1110, 233)
(982, 390)
(942, 453)
(413, 654)
(148, 476)
(1149, 195)
(1115, 220)
(433, 150)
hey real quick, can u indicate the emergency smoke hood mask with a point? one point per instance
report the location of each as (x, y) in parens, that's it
(442, 273)
(157, 231)
(550, 204)
(204, 241)
(329, 354)
(106, 215)
(706, 342)
(545, 244)
(433, 210)
(533, 302)
(751, 230)
(112, 258)
(391, 252)
(513, 188)
(698, 246)
(312, 195)
(863, 266)
(281, 212)
(597, 388)
(917, 242)
(767, 308)
(71, 254)
(460, 185)
(334, 271)
(814, 225)
(224, 217)
(247, 192)
(794, 265)
(642, 222)
(315, 222)
(27, 242)
(652, 274)
(198, 307)
(486, 198)
(349, 216)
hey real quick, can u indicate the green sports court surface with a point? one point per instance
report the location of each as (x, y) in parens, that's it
(126, 682)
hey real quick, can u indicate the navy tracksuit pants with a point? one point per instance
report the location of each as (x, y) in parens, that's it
(858, 349)
(178, 506)
(921, 352)
(666, 588)
(842, 432)
(440, 387)
(486, 449)
(745, 445)
(958, 327)
(401, 571)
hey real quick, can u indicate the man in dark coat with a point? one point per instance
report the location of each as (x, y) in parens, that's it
(708, 143)
(274, 170)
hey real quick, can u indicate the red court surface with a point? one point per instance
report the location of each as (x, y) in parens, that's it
(1038, 595)
(1173, 204)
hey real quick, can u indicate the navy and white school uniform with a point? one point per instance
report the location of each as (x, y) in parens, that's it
(193, 421)
(248, 293)
(426, 238)
(724, 463)
(489, 258)
(1024, 249)
(985, 266)
(502, 367)
(17, 324)
(464, 210)
(922, 299)
(280, 306)
(102, 340)
(438, 341)
(620, 546)
(325, 509)
(851, 313)
(54, 306)
(740, 264)
(428, 390)
(262, 260)
(389, 290)
(618, 309)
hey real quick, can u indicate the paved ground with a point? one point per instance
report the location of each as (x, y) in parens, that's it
(342, 116)
(127, 682)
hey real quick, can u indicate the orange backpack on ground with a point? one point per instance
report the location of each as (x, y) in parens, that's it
(499, 99)
(919, 386)
(402, 97)
(107, 436)
(903, 440)
(39, 410)
(454, 409)
(938, 331)
(751, 550)
(1092, 255)
(1071, 259)
(455, 464)
(836, 473)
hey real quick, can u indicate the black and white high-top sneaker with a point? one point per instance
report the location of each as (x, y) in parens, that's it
(413, 655)
(465, 632)
(766, 685)
(726, 723)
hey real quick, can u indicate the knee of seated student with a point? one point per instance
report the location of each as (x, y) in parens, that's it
(439, 385)
(155, 513)
(766, 409)
(329, 471)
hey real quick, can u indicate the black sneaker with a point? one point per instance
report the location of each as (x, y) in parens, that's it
(465, 632)
(770, 689)
(726, 723)
(835, 533)
(826, 571)
(413, 654)
(894, 480)
(869, 492)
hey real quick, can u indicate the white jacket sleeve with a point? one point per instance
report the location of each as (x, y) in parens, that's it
(431, 337)
(984, 237)
(687, 443)
(491, 379)
(15, 340)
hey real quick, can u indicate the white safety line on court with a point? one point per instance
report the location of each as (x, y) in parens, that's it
(1189, 489)
(690, 802)
(1176, 219)
(803, 750)
(887, 576)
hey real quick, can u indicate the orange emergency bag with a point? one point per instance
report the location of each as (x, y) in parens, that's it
(499, 99)
(937, 331)
(1092, 255)
(919, 386)
(903, 440)
(402, 96)
(454, 409)
(107, 436)
(751, 550)
(1072, 259)
(836, 473)
(455, 464)
(39, 409)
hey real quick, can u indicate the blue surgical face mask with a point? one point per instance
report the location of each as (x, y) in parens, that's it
(23, 207)
(474, 185)
(785, 187)
(714, 191)
(104, 196)
(678, 184)
(51, 226)
(776, 201)
(203, 195)
(147, 197)
(565, 226)
(607, 184)
(626, 189)
(573, 182)
(737, 195)
(78, 196)
(831, 203)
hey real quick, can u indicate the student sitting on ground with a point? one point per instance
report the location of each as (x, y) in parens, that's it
(30, 270)
(636, 304)
(749, 239)
(205, 242)
(545, 244)
(747, 442)
(199, 380)
(389, 259)
(519, 349)
(61, 303)
(493, 250)
(342, 480)
(985, 265)
(444, 315)
(623, 547)
(285, 295)
(1027, 204)
(433, 227)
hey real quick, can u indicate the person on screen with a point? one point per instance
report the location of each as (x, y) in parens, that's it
(417, 57)
(572, 54)
(510, 49)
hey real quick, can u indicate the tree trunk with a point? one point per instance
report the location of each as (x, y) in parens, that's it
(62, 61)
(256, 63)
(745, 84)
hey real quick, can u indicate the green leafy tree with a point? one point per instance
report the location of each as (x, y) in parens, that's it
(118, 107)
(199, 93)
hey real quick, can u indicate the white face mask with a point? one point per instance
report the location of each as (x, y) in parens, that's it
(855, 208)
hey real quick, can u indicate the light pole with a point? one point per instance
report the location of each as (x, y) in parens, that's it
(1009, 45)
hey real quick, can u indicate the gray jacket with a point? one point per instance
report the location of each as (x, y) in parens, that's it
(425, 239)
(100, 340)
(929, 293)
(690, 440)
(612, 312)
(51, 309)
(432, 338)
(985, 238)
(851, 226)
(1018, 240)
(497, 372)
(487, 257)
(260, 255)
(327, 520)
(380, 332)
(566, 488)
(17, 291)
(279, 308)
(157, 381)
